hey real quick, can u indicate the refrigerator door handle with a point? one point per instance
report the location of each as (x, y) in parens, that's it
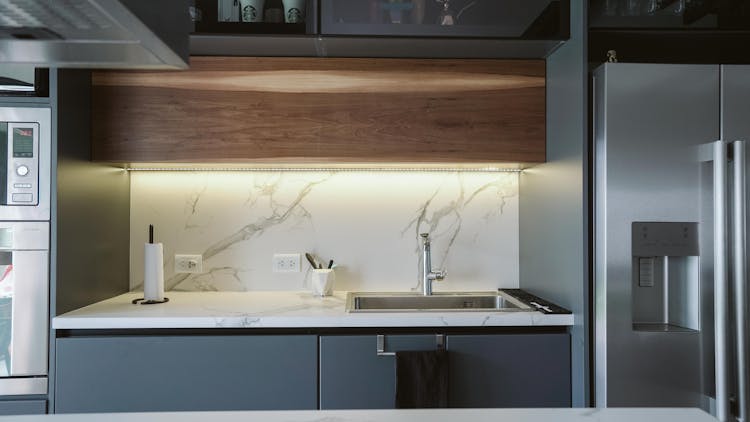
(721, 313)
(739, 266)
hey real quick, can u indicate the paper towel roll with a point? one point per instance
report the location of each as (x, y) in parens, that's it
(153, 272)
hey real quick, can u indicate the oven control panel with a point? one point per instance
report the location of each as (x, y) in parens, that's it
(22, 164)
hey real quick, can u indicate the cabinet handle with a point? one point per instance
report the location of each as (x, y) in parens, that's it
(381, 347)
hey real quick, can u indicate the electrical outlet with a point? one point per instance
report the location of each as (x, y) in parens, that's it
(286, 263)
(188, 264)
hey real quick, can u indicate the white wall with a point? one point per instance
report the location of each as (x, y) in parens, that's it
(368, 222)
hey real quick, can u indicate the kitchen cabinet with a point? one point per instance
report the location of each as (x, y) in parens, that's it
(496, 370)
(353, 376)
(669, 31)
(509, 370)
(227, 17)
(180, 373)
(511, 19)
(23, 407)
(307, 110)
(383, 28)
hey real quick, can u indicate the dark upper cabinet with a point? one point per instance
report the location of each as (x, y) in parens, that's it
(250, 17)
(528, 19)
(381, 28)
(665, 14)
(670, 31)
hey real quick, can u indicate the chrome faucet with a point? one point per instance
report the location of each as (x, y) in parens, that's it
(427, 274)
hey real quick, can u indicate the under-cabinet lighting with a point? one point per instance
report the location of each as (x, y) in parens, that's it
(354, 169)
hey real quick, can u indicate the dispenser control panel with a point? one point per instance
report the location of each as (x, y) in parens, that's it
(665, 239)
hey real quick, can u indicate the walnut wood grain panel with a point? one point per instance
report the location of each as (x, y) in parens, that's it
(323, 110)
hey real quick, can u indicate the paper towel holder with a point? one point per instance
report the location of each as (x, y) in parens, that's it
(159, 276)
(143, 301)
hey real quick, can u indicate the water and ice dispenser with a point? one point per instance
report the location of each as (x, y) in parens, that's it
(666, 276)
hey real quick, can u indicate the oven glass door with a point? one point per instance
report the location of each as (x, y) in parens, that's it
(24, 290)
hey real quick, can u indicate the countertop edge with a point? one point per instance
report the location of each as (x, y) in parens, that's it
(85, 323)
(282, 310)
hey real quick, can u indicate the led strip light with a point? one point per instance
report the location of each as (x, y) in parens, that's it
(330, 169)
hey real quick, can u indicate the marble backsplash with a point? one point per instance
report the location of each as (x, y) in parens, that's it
(368, 222)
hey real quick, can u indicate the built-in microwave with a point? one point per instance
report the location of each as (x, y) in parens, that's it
(25, 163)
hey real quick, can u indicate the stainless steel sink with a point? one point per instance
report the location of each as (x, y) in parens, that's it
(438, 302)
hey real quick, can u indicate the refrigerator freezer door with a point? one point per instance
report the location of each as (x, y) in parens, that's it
(649, 121)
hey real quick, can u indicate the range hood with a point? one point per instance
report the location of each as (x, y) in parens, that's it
(110, 34)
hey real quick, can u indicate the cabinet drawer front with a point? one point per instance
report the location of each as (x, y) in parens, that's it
(180, 373)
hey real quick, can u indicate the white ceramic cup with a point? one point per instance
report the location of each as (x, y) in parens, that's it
(322, 282)
(251, 10)
(294, 11)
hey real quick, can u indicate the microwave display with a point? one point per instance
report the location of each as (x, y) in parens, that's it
(23, 142)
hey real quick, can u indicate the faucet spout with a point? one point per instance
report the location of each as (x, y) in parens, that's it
(428, 275)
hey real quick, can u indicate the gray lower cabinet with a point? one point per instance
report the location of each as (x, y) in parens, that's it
(180, 373)
(353, 376)
(509, 370)
(503, 370)
(23, 407)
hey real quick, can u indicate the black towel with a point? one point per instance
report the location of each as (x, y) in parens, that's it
(421, 379)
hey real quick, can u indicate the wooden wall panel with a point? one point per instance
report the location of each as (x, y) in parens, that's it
(322, 110)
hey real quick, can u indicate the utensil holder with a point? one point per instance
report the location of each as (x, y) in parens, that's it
(322, 282)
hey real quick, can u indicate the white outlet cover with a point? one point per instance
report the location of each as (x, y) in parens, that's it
(286, 263)
(188, 264)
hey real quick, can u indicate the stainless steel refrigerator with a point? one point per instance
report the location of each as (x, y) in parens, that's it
(670, 256)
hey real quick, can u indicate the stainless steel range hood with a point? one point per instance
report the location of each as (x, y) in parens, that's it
(112, 34)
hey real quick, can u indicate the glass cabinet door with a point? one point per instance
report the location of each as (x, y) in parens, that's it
(670, 14)
(255, 16)
(517, 19)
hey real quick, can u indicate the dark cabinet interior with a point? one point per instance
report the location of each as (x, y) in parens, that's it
(241, 17)
(530, 19)
(670, 31)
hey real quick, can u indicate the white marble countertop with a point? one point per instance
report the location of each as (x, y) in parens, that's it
(275, 310)
(432, 415)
